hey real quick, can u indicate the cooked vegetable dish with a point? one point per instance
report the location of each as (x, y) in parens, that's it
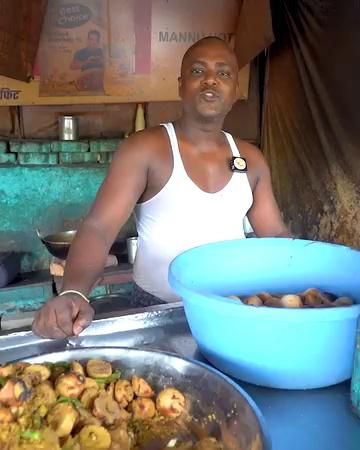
(75, 406)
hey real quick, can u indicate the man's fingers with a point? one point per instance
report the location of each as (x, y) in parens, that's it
(83, 319)
(62, 317)
(45, 326)
(64, 321)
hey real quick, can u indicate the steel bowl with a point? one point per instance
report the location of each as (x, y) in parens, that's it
(58, 244)
(221, 408)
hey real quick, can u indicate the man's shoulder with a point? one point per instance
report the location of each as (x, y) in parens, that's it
(256, 162)
(247, 150)
(251, 153)
(148, 141)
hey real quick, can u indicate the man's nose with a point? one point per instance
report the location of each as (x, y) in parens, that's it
(210, 78)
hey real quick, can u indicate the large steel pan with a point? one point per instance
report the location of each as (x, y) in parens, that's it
(224, 410)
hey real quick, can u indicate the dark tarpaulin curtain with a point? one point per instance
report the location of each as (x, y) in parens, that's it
(20, 29)
(311, 121)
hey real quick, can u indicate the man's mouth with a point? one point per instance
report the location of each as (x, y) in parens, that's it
(209, 95)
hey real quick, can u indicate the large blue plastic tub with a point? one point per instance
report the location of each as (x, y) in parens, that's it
(280, 348)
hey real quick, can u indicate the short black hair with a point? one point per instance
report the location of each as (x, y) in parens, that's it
(95, 33)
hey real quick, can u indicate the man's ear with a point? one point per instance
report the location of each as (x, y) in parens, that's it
(237, 91)
(179, 86)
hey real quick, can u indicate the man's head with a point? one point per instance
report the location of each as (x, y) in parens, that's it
(93, 38)
(208, 81)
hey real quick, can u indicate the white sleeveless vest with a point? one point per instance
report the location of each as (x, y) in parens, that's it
(182, 216)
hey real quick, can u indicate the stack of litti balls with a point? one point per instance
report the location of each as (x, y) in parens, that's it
(311, 298)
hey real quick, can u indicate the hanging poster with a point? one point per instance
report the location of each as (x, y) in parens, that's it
(72, 48)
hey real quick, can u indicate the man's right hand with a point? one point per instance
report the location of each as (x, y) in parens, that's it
(62, 317)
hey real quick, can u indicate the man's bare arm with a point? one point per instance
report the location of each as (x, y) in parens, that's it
(264, 215)
(115, 201)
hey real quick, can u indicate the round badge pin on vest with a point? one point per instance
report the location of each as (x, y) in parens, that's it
(238, 164)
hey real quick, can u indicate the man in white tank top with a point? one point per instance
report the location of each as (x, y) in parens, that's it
(178, 179)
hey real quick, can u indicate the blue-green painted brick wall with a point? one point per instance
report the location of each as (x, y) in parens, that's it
(43, 197)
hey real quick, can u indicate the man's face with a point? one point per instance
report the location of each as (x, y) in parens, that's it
(93, 41)
(208, 81)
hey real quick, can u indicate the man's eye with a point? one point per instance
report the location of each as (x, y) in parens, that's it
(225, 74)
(197, 70)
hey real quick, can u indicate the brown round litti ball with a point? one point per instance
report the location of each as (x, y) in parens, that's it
(273, 302)
(291, 301)
(343, 301)
(253, 300)
(264, 296)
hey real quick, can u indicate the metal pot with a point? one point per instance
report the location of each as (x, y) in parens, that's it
(58, 244)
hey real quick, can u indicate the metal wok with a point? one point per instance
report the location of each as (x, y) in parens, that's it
(58, 244)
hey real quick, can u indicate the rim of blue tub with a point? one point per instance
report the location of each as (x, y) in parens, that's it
(199, 297)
